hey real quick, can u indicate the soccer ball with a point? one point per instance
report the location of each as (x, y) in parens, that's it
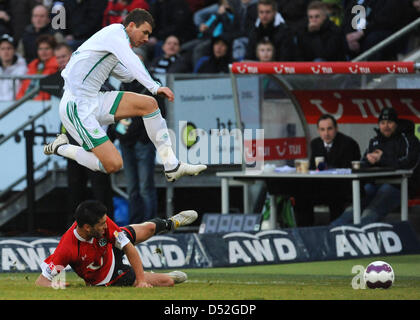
(379, 274)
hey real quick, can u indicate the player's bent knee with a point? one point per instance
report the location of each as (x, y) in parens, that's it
(148, 105)
(113, 166)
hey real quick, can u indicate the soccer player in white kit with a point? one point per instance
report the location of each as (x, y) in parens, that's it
(84, 109)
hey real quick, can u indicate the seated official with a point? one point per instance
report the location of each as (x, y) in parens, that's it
(391, 147)
(338, 150)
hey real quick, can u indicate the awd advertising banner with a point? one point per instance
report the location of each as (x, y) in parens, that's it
(238, 248)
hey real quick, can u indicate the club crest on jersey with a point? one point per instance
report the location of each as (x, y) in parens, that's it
(102, 242)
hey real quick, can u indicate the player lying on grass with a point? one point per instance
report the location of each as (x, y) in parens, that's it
(84, 110)
(94, 247)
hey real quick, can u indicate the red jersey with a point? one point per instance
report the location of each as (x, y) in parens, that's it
(93, 260)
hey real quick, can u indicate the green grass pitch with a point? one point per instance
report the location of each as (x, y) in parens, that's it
(330, 280)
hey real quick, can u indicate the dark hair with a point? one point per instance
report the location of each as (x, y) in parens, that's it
(46, 38)
(325, 117)
(271, 3)
(8, 38)
(139, 16)
(317, 5)
(388, 114)
(62, 45)
(89, 212)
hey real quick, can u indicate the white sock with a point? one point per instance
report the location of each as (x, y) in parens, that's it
(157, 131)
(81, 156)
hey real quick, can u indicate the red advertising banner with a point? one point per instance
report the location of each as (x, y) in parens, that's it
(375, 67)
(275, 149)
(358, 106)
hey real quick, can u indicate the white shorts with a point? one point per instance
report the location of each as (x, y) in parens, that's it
(85, 117)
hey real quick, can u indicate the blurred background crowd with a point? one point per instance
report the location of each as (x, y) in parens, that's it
(203, 36)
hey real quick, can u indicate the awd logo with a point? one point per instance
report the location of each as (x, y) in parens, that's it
(265, 246)
(367, 240)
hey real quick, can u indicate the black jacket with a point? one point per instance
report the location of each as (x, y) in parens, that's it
(400, 151)
(174, 64)
(343, 151)
(279, 34)
(325, 44)
(84, 17)
(381, 15)
(243, 21)
(29, 37)
(211, 64)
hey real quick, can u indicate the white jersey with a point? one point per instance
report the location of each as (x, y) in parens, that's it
(106, 53)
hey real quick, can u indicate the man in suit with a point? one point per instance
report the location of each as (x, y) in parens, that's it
(338, 150)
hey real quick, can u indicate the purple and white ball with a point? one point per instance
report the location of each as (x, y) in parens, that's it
(379, 274)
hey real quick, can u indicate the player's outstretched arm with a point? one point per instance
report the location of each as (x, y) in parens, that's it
(43, 282)
(135, 261)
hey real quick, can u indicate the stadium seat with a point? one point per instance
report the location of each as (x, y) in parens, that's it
(233, 222)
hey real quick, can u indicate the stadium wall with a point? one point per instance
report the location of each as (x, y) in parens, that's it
(192, 250)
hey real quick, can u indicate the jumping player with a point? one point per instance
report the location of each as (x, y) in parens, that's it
(84, 109)
(94, 247)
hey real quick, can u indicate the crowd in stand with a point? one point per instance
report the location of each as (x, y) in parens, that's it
(203, 36)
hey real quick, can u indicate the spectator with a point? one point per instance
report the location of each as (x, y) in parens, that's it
(219, 23)
(383, 17)
(46, 63)
(83, 19)
(245, 15)
(62, 53)
(271, 25)
(5, 17)
(202, 14)
(219, 59)
(395, 147)
(171, 60)
(339, 150)
(334, 11)
(321, 39)
(40, 25)
(294, 13)
(265, 51)
(116, 10)
(11, 64)
(21, 12)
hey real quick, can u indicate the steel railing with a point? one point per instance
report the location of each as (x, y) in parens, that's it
(394, 37)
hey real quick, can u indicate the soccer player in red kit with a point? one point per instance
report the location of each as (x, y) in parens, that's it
(94, 247)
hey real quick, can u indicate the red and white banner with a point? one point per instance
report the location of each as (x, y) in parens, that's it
(358, 106)
(275, 149)
(381, 67)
